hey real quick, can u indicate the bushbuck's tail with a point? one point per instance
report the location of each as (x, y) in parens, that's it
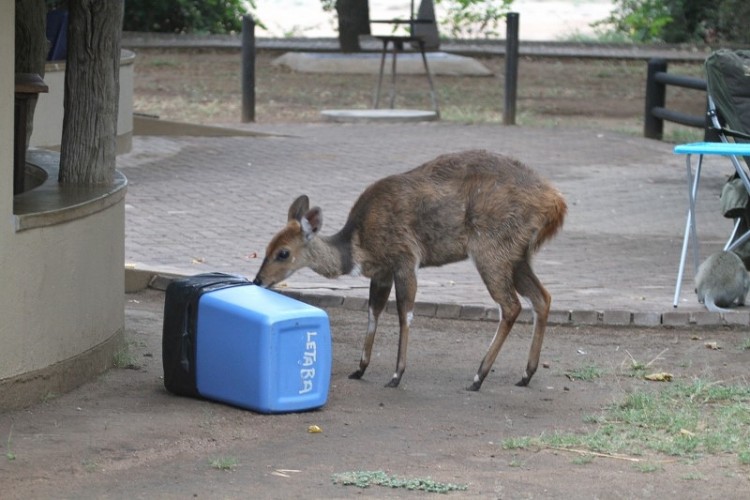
(554, 218)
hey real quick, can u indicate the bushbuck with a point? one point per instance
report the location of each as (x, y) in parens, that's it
(475, 204)
(722, 281)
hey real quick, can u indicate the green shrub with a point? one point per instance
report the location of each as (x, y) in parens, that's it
(679, 21)
(185, 16)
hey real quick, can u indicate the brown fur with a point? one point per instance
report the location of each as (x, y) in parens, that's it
(471, 204)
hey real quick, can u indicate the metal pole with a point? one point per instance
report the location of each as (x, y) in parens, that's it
(248, 69)
(511, 68)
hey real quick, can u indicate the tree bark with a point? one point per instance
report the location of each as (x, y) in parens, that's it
(92, 88)
(354, 20)
(31, 47)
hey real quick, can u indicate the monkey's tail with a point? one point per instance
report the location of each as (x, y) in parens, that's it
(710, 304)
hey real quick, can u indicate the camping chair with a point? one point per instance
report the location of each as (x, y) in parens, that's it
(422, 35)
(728, 119)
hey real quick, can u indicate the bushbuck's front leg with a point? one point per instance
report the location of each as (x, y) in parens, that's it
(380, 290)
(406, 291)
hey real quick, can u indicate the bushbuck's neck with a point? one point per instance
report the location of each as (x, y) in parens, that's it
(330, 256)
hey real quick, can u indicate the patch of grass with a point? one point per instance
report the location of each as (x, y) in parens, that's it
(164, 63)
(586, 372)
(693, 476)
(48, 396)
(90, 465)
(647, 467)
(584, 459)
(224, 463)
(597, 95)
(516, 443)
(124, 358)
(745, 345)
(682, 420)
(680, 134)
(9, 454)
(365, 479)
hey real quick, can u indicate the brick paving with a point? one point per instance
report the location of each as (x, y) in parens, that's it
(200, 204)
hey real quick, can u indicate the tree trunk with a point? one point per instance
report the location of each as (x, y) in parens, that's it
(31, 46)
(354, 20)
(92, 88)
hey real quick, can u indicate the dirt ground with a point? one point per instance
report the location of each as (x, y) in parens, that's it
(124, 436)
(205, 87)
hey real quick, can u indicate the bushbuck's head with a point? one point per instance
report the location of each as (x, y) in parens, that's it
(287, 251)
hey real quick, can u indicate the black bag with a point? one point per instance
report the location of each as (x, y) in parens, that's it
(180, 319)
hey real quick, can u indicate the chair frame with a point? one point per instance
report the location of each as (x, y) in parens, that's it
(397, 43)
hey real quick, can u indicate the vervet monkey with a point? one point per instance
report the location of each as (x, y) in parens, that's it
(722, 281)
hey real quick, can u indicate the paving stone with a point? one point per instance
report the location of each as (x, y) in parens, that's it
(585, 317)
(706, 318)
(617, 318)
(559, 317)
(473, 312)
(184, 218)
(428, 309)
(448, 311)
(676, 318)
(737, 318)
(649, 319)
(355, 304)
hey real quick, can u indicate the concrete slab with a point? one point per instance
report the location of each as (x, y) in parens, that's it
(378, 115)
(407, 63)
(149, 125)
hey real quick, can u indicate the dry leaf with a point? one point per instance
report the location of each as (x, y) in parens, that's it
(314, 429)
(687, 433)
(659, 377)
(714, 346)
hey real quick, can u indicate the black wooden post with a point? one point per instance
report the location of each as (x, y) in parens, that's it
(656, 93)
(511, 68)
(248, 69)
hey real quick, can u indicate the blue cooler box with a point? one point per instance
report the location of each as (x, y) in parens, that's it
(251, 347)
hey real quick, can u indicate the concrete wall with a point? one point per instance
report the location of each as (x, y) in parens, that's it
(61, 299)
(7, 58)
(48, 117)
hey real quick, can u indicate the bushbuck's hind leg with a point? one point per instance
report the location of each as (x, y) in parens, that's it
(500, 286)
(528, 285)
(380, 289)
(406, 292)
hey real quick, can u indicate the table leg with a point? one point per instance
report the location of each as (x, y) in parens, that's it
(691, 233)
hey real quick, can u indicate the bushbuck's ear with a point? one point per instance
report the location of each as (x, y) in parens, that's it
(298, 208)
(312, 222)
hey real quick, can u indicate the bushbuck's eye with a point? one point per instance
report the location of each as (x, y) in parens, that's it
(282, 254)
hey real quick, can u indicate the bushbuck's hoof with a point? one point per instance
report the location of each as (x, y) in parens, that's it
(474, 387)
(523, 382)
(393, 382)
(356, 375)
